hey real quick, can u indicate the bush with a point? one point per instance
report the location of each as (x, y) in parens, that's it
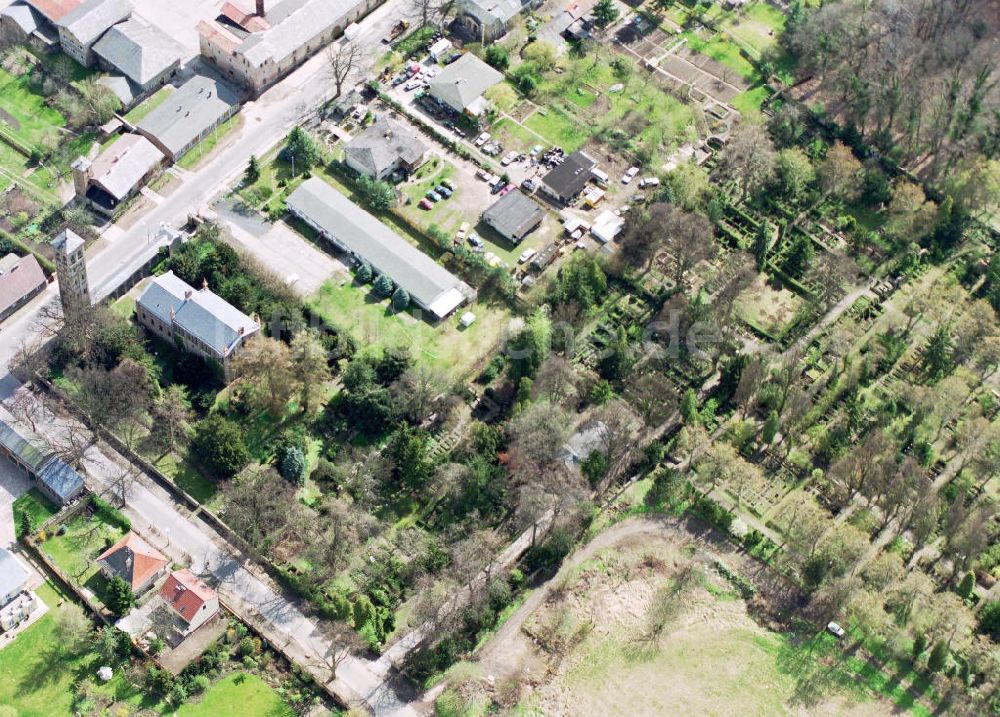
(292, 465)
(989, 619)
(200, 683)
(400, 299)
(363, 275)
(382, 286)
(219, 445)
(120, 596)
(246, 646)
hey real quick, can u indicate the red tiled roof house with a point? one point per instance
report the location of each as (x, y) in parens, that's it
(190, 598)
(135, 561)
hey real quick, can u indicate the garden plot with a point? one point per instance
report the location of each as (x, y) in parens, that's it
(768, 308)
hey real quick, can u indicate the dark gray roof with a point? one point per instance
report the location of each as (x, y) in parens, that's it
(124, 89)
(18, 279)
(213, 320)
(17, 443)
(24, 16)
(61, 478)
(66, 242)
(164, 295)
(570, 177)
(13, 576)
(462, 82)
(491, 11)
(199, 104)
(383, 145)
(202, 314)
(89, 20)
(428, 284)
(140, 51)
(514, 214)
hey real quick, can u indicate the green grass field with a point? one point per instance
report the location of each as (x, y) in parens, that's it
(443, 346)
(36, 505)
(558, 128)
(25, 114)
(237, 695)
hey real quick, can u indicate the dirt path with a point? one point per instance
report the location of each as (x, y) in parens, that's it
(613, 536)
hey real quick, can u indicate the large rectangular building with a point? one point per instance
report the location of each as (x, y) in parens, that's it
(258, 48)
(353, 230)
(189, 115)
(59, 481)
(82, 27)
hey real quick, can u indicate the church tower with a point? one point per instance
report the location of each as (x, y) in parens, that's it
(71, 268)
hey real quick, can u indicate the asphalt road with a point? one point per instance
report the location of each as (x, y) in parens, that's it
(114, 258)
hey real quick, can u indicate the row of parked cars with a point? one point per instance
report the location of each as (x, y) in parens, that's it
(436, 194)
(631, 173)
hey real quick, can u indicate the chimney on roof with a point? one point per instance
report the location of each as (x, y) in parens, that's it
(204, 283)
(260, 8)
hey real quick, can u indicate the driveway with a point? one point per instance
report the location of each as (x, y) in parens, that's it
(300, 264)
(13, 484)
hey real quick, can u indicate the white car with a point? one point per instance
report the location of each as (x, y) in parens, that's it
(413, 84)
(508, 158)
(526, 255)
(630, 175)
(649, 182)
(463, 231)
(835, 630)
(482, 139)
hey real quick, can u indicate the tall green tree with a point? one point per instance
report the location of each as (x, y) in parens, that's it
(252, 173)
(605, 14)
(301, 149)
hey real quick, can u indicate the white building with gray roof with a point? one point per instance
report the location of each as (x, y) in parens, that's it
(142, 53)
(258, 48)
(514, 216)
(385, 147)
(461, 85)
(117, 174)
(353, 230)
(81, 28)
(200, 321)
(189, 115)
(486, 20)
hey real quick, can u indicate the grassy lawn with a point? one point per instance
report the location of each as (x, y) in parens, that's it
(722, 51)
(36, 674)
(124, 307)
(752, 27)
(510, 134)
(189, 478)
(205, 147)
(443, 346)
(558, 128)
(25, 114)
(75, 550)
(140, 111)
(36, 505)
(237, 695)
(748, 103)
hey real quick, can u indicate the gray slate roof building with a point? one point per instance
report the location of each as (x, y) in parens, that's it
(202, 316)
(138, 50)
(63, 482)
(486, 20)
(29, 23)
(352, 229)
(121, 168)
(383, 148)
(13, 576)
(92, 18)
(514, 215)
(293, 24)
(568, 179)
(461, 84)
(19, 449)
(200, 105)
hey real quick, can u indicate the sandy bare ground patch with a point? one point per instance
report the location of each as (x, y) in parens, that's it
(586, 642)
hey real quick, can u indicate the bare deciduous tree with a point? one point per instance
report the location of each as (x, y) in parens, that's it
(343, 63)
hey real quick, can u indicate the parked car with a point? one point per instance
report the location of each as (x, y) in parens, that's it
(506, 190)
(526, 255)
(433, 196)
(450, 184)
(413, 84)
(508, 158)
(529, 185)
(835, 630)
(649, 182)
(496, 188)
(481, 139)
(463, 231)
(475, 241)
(536, 150)
(443, 191)
(629, 174)
(426, 204)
